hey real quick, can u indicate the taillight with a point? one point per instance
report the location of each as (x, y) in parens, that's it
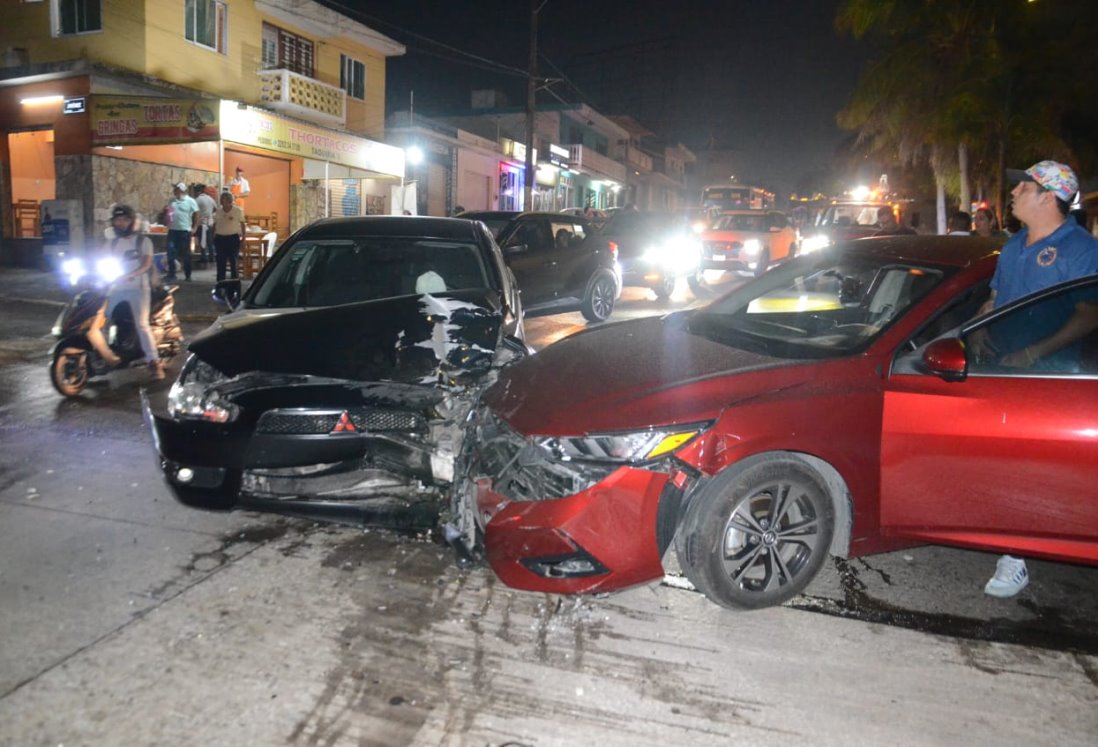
(613, 247)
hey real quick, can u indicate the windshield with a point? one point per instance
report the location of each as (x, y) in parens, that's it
(495, 225)
(849, 215)
(317, 272)
(740, 222)
(817, 306)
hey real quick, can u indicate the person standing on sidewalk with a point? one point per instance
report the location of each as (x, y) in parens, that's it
(1051, 249)
(228, 235)
(206, 208)
(240, 188)
(181, 229)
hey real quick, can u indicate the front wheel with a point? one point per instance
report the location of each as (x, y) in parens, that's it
(69, 371)
(666, 287)
(756, 537)
(598, 301)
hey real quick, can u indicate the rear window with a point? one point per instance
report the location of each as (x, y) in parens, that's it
(332, 272)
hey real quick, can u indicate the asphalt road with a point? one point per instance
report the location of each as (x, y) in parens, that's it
(128, 619)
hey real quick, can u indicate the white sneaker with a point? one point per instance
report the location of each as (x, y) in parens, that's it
(1011, 576)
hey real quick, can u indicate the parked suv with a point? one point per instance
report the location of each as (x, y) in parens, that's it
(560, 262)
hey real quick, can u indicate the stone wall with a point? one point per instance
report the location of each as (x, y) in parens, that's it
(306, 203)
(147, 187)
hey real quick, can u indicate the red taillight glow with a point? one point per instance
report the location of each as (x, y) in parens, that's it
(613, 247)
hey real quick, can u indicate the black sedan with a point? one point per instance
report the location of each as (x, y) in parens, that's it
(337, 387)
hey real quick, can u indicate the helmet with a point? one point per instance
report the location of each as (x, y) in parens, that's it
(124, 211)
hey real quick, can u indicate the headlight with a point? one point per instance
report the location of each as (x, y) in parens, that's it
(73, 269)
(631, 448)
(195, 394)
(109, 269)
(752, 247)
(815, 243)
(678, 254)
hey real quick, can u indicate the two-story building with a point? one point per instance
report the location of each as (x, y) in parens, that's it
(109, 101)
(572, 143)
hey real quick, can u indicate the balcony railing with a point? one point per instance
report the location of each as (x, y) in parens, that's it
(588, 161)
(637, 159)
(303, 97)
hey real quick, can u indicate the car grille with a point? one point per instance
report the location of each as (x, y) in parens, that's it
(709, 248)
(306, 422)
(523, 471)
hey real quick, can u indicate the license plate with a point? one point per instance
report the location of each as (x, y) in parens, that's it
(718, 257)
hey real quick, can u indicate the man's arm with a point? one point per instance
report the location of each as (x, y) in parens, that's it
(1082, 322)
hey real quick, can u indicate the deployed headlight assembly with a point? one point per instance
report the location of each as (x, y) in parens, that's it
(195, 394)
(629, 448)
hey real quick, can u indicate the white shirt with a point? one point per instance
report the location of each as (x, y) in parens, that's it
(206, 207)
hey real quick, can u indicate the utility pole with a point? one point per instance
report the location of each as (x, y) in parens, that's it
(531, 90)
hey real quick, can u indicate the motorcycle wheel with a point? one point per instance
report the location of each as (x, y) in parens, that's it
(69, 371)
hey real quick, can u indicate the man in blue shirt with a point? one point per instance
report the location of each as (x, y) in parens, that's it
(1049, 250)
(181, 228)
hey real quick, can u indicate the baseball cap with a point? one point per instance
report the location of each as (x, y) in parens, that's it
(1053, 176)
(240, 169)
(181, 187)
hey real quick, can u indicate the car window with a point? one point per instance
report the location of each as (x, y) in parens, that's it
(740, 222)
(564, 234)
(1012, 335)
(966, 306)
(850, 215)
(777, 220)
(333, 272)
(817, 307)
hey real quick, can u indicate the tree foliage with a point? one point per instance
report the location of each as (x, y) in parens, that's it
(1007, 81)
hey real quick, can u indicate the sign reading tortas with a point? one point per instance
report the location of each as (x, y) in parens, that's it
(145, 120)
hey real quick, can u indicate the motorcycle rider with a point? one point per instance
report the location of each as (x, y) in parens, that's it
(134, 251)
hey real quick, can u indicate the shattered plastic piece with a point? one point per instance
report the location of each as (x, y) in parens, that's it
(908, 558)
(678, 582)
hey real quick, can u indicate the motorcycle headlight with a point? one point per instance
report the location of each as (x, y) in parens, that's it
(195, 394)
(627, 448)
(109, 269)
(815, 243)
(74, 269)
(752, 247)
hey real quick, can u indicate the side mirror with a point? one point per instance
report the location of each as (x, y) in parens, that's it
(512, 249)
(226, 294)
(946, 359)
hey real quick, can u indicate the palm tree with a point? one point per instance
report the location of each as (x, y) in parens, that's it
(970, 77)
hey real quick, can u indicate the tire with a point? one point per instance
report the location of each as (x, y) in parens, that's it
(69, 371)
(763, 263)
(598, 301)
(666, 288)
(727, 545)
(697, 284)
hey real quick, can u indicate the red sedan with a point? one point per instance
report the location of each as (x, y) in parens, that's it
(829, 407)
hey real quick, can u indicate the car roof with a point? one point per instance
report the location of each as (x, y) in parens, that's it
(478, 214)
(390, 225)
(952, 251)
(748, 211)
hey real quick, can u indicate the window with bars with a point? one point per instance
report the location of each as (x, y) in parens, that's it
(77, 16)
(352, 77)
(286, 51)
(206, 23)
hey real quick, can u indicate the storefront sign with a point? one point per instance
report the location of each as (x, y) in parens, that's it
(261, 129)
(558, 156)
(147, 120)
(74, 106)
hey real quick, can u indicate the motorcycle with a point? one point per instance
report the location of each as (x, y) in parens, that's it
(82, 352)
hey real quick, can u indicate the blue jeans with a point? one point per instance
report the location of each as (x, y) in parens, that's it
(179, 245)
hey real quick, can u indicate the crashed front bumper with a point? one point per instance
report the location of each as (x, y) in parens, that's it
(261, 464)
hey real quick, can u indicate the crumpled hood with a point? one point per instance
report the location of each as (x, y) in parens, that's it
(633, 375)
(407, 339)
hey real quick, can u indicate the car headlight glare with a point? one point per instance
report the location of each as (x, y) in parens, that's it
(678, 254)
(752, 247)
(628, 448)
(815, 243)
(195, 394)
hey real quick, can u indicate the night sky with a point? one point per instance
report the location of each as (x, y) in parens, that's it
(762, 78)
